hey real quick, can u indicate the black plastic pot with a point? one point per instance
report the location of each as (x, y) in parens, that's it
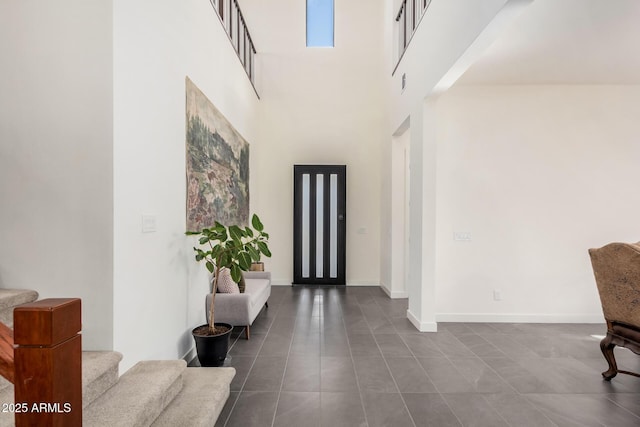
(212, 349)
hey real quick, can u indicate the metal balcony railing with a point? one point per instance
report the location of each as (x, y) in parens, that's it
(233, 22)
(408, 19)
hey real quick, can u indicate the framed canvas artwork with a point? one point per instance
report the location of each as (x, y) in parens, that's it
(217, 165)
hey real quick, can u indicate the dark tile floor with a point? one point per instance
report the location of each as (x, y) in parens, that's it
(327, 356)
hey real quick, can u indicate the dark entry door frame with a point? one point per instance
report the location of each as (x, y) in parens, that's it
(319, 227)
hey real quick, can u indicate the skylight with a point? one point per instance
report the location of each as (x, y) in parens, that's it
(320, 23)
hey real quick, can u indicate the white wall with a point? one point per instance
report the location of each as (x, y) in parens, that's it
(449, 37)
(395, 191)
(388, 159)
(447, 32)
(56, 166)
(538, 175)
(320, 106)
(159, 289)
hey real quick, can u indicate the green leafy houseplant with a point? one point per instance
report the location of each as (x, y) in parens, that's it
(232, 247)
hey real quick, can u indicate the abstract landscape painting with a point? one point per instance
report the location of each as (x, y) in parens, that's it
(217, 166)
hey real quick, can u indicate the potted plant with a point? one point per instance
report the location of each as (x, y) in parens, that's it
(231, 247)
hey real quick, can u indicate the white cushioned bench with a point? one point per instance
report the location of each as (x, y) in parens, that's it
(242, 309)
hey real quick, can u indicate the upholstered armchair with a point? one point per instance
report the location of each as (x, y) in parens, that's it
(616, 267)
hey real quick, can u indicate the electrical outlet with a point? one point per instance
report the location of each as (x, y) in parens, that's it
(497, 295)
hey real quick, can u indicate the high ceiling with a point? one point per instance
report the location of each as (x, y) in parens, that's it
(565, 42)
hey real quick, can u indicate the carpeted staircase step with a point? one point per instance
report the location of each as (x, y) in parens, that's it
(9, 298)
(99, 373)
(139, 396)
(204, 393)
(6, 396)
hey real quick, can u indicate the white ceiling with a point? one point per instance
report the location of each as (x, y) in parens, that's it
(565, 42)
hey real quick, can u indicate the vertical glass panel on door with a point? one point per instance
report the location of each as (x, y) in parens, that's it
(305, 224)
(319, 225)
(333, 248)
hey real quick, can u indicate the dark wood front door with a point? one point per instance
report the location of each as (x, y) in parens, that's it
(319, 224)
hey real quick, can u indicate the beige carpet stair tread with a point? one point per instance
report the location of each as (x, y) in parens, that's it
(203, 395)
(4, 383)
(139, 396)
(6, 418)
(99, 373)
(9, 298)
(13, 297)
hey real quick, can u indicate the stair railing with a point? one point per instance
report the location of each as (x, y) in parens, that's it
(7, 367)
(42, 357)
(408, 18)
(234, 24)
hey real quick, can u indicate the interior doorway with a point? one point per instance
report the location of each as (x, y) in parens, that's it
(319, 224)
(400, 208)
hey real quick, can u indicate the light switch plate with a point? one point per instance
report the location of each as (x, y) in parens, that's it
(462, 236)
(148, 223)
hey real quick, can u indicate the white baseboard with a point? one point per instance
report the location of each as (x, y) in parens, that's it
(288, 283)
(280, 283)
(422, 326)
(190, 355)
(363, 284)
(519, 318)
(394, 294)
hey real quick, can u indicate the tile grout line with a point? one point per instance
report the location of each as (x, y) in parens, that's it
(320, 362)
(353, 363)
(424, 370)
(495, 372)
(516, 391)
(486, 364)
(319, 366)
(252, 364)
(284, 371)
(492, 370)
(387, 364)
(363, 300)
(620, 406)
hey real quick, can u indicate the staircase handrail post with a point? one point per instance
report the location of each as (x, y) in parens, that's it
(48, 363)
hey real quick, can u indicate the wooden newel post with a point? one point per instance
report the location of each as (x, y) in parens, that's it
(48, 363)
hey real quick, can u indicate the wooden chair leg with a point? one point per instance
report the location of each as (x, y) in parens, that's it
(607, 350)
(246, 331)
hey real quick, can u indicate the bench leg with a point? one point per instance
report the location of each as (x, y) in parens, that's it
(246, 331)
